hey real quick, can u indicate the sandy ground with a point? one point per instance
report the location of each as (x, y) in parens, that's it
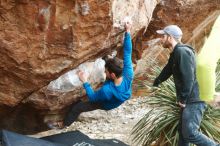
(100, 124)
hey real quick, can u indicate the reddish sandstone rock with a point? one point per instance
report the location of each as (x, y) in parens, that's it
(41, 40)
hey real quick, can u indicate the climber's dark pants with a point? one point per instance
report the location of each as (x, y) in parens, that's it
(77, 108)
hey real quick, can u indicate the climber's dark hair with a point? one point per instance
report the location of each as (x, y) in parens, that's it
(114, 65)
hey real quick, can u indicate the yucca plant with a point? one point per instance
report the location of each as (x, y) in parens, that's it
(159, 126)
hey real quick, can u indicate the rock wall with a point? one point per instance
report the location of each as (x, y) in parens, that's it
(195, 18)
(41, 40)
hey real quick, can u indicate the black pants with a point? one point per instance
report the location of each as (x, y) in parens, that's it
(77, 108)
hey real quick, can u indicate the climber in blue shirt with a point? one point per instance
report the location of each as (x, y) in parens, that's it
(116, 89)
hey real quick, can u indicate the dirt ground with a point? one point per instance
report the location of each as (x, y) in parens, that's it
(100, 124)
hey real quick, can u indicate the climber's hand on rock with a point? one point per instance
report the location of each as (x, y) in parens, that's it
(128, 25)
(82, 76)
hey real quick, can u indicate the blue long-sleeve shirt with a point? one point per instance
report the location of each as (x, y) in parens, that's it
(110, 95)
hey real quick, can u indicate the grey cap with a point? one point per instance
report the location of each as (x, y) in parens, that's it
(172, 30)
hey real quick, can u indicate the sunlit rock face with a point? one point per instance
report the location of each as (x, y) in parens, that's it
(42, 40)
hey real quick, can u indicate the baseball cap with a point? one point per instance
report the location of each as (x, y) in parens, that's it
(172, 30)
